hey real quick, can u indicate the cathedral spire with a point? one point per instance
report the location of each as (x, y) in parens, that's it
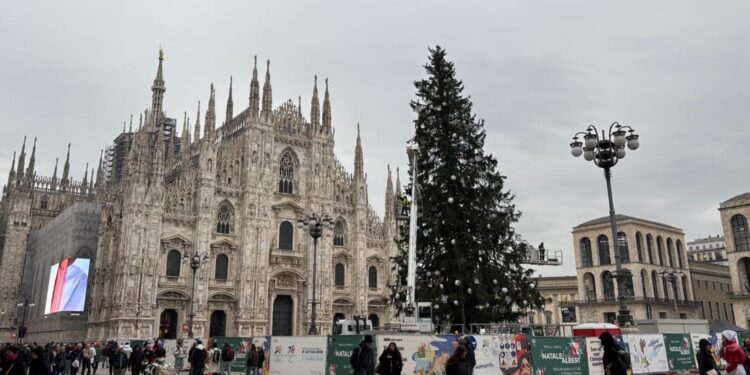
(32, 161)
(267, 100)
(230, 105)
(326, 110)
(100, 171)
(130, 128)
(54, 175)
(315, 107)
(157, 164)
(389, 195)
(358, 159)
(158, 90)
(210, 126)
(21, 161)
(398, 183)
(66, 169)
(254, 90)
(197, 133)
(84, 182)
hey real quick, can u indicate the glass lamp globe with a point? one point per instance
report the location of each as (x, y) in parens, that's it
(620, 152)
(633, 141)
(591, 140)
(575, 149)
(619, 138)
(588, 155)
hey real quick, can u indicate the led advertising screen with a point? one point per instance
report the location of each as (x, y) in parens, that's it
(66, 290)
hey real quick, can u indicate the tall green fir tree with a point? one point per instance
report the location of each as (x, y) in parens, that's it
(469, 257)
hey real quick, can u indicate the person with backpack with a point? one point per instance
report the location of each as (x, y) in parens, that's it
(615, 360)
(361, 358)
(198, 358)
(214, 358)
(227, 356)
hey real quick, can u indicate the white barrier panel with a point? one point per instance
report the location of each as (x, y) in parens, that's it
(499, 354)
(298, 355)
(595, 352)
(647, 353)
(421, 354)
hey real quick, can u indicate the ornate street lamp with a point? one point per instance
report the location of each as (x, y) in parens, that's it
(672, 276)
(196, 261)
(314, 225)
(25, 305)
(605, 152)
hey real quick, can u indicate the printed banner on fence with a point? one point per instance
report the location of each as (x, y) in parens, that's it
(298, 355)
(594, 355)
(501, 354)
(679, 352)
(424, 355)
(241, 347)
(647, 353)
(559, 355)
(340, 350)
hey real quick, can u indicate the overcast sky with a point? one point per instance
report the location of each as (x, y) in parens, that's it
(676, 71)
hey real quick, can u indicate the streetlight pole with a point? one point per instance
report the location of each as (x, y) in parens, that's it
(605, 152)
(672, 276)
(22, 328)
(314, 225)
(196, 261)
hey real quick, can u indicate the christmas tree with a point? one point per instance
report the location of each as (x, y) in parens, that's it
(469, 258)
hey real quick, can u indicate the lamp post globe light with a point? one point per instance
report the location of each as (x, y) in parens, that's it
(314, 224)
(672, 276)
(605, 152)
(24, 305)
(196, 260)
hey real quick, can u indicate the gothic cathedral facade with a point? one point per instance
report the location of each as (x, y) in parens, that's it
(231, 196)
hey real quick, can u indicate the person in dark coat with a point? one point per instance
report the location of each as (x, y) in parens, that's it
(136, 360)
(705, 357)
(390, 362)
(198, 360)
(458, 363)
(39, 364)
(361, 358)
(470, 356)
(614, 359)
(119, 362)
(13, 363)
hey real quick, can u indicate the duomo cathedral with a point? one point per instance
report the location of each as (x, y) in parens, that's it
(232, 194)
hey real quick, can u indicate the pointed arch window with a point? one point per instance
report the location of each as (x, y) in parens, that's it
(339, 233)
(608, 286)
(586, 258)
(339, 275)
(740, 233)
(372, 277)
(603, 243)
(173, 263)
(286, 236)
(225, 219)
(44, 203)
(222, 267)
(286, 174)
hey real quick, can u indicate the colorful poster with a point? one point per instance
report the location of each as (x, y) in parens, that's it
(298, 355)
(501, 354)
(594, 354)
(679, 352)
(340, 350)
(559, 355)
(647, 353)
(423, 355)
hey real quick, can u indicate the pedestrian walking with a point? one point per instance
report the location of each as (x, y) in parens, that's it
(179, 357)
(214, 358)
(119, 361)
(458, 363)
(75, 357)
(261, 360)
(137, 360)
(253, 361)
(39, 364)
(361, 358)
(732, 353)
(198, 360)
(705, 358)
(390, 362)
(86, 360)
(227, 356)
(615, 360)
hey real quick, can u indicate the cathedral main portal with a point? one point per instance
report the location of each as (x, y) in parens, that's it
(283, 308)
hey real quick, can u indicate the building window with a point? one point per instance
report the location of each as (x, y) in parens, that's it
(644, 277)
(603, 250)
(667, 291)
(286, 174)
(222, 267)
(339, 233)
(662, 315)
(286, 236)
(622, 247)
(589, 284)
(628, 286)
(655, 283)
(586, 258)
(608, 286)
(224, 219)
(740, 233)
(548, 317)
(660, 250)
(173, 263)
(649, 241)
(638, 246)
(372, 277)
(44, 203)
(339, 275)
(678, 244)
